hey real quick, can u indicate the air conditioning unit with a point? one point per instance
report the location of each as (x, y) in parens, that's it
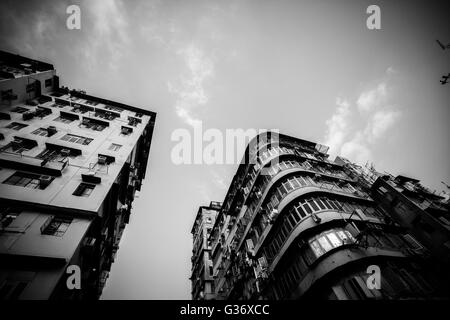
(51, 130)
(101, 160)
(44, 181)
(273, 215)
(316, 218)
(250, 245)
(28, 116)
(16, 143)
(263, 262)
(126, 130)
(65, 152)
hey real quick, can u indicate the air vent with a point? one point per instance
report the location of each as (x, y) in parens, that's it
(65, 152)
(102, 160)
(44, 181)
(51, 130)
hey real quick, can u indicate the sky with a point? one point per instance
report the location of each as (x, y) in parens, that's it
(311, 69)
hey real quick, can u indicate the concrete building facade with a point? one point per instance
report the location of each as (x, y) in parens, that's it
(70, 165)
(202, 269)
(295, 225)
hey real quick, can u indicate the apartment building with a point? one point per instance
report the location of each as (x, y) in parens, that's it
(70, 166)
(296, 225)
(202, 272)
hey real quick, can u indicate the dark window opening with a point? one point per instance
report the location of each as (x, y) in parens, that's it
(76, 139)
(20, 110)
(84, 190)
(29, 180)
(16, 126)
(56, 226)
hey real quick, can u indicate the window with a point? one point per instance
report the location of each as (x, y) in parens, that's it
(17, 146)
(327, 204)
(57, 105)
(76, 139)
(382, 190)
(306, 207)
(56, 226)
(84, 190)
(335, 241)
(444, 220)
(317, 248)
(313, 205)
(412, 242)
(20, 110)
(292, 220)
(16, 126)
(40, 132)
(295, 215)
(325, 244)
(93, 125)
(113, 108)
(329, 240)
(300, 211)
(28, 180)
(287, 186)
(91, 103)
(114, 147)
(63, 119)
(53, 155)
(321, 205)
(48, 82)
(7, 217)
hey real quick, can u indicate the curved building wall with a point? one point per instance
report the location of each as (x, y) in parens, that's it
(296, 225)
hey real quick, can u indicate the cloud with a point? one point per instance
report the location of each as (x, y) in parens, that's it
(338, 126)
(109, 37)
(369, 100)
(391, 71)
(380, 122)
(357, 149)
(189, 88)
(375, 115)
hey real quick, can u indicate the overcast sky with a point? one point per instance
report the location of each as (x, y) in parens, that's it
(308, 68)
